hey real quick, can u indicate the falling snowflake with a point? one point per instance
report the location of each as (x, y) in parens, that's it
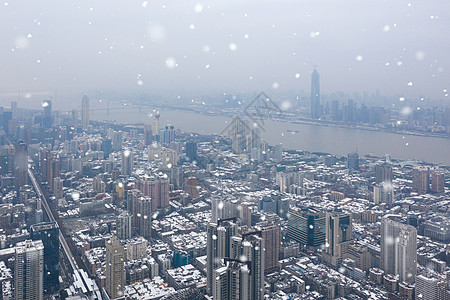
(232, 46)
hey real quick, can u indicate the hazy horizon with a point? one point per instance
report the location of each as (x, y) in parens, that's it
(147, 47)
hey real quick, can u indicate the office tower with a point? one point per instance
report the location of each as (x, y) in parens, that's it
(144, 217)
(253, 251)
(383, 173)
(14, 109)
(20, 164)
(107, 147)
(353, 161)
(48, 233)
(307, 227)
(271, 236)
(335, 112)
(124, 226)
(39, 214)
(85, 112)
(167, 135)
(147, 135)
(115, 274)
(7, 117)
(176, 176)
(47, 114)
(338, 235)
(316, 110)
(399, 249)
(219, 240)
(127, 162)
(191, 150)
(278, 153)
(437, 182)
(421, 180)
(429, 287)
(383, 193)
(29, 270)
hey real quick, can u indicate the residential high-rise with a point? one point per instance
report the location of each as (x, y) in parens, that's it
(124, 225)
(338, 235)
(383, 193)
(421, 180)
(49, 234)
(115, 273)
(271, 236)
(127, 162)
(399, 249)
(144, 217)
(383, 173)
(307, 227)
(429, 287)
(167, 135)
(437, 182)
(316, 110)
(85, 112)
(47, 114)
(29, 270)
(20, 164)
(219, 240)
(353, 161)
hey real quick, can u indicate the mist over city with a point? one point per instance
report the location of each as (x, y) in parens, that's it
(235, 150)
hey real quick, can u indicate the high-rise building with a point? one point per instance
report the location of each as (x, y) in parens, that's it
(58, 187)
(85, 112)
(124, 225)
(20, 164)
(14, 109)
(307, 227)
(316, 110)
(48, 233)
(148, 135)
(338, 236)
(115, 273)
(47, 114)
(399, 249)
(429, 287)
(383, 193)
(29, 270)
(271, 236)
(107, 147)
(144, 216)
(437, 182)
(155, 126)
(127, 162)
(421, 180)
(219, 240)
(383, 173)
(191, 150)
(353, 161)
(167, 135)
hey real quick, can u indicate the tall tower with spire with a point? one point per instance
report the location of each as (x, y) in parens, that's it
(316, 110)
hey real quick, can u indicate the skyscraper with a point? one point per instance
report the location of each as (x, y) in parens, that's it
(47, 114)
(115, 274)
(49, 234)
(383, 173)
(316, 111)
(307, 227)
(124, 225)
(219, 240)
(127, 162)
(353, 161)
(84, 112)
(437, 182)
(383, 193)
(271, 237)
(191, 150)
(144, 216)
(29, 270)
(147, 134)
(20, 164)
(421, 180)
(399, 249)
(338, 235)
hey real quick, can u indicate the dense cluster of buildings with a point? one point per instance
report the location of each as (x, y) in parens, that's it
(99, 210)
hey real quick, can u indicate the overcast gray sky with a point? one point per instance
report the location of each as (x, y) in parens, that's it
(217, 46)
